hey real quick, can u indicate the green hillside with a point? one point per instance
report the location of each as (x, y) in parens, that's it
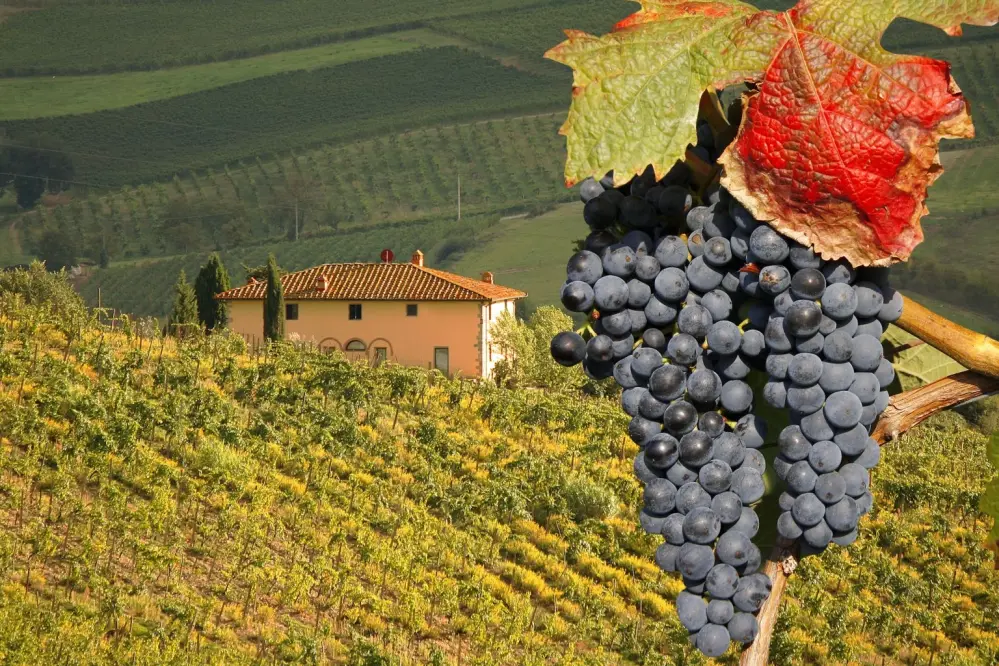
(47, 96)
(291, 110)
(188, 504)
(502, 164)
(105, 37)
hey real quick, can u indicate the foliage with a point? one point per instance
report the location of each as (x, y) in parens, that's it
(921, 364)
(621, 88)
(526, 351)
(34, 164)
(212, 279)
(184, 315)
(179, 502)
(273, 303)
(57, 249)
(990, 498)
(292, 110)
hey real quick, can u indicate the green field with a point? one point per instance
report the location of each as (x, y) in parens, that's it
(104, 38)
(290, 110)
(528, 253)
(503, 165)
(47, 96)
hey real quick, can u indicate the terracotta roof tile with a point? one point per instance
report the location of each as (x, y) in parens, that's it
(388, 282)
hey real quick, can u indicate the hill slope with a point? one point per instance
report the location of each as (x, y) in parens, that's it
(188, 504)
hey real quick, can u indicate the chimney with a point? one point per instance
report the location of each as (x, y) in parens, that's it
(418, 258)
(487, 277)
(322, 284)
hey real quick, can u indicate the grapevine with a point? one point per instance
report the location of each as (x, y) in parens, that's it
(755, 241)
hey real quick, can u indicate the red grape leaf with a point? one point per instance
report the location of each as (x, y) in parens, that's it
(840, 143)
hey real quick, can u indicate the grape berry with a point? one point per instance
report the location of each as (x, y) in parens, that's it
(686, 294)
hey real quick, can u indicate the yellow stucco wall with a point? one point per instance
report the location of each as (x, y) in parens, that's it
(456, 325)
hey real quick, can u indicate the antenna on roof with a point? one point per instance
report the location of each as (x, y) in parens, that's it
(387, 256)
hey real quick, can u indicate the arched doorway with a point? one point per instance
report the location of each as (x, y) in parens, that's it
(379, 351)
(355, 350)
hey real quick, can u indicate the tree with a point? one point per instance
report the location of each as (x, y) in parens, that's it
(185, 307)
(302, 193)
(57, 249)
(35, 164)
(273, 302)
(105, 259)
(212, 279)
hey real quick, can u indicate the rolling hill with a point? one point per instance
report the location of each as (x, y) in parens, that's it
(237, 126)
(169, 504)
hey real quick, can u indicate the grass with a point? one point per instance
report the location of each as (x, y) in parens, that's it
(103, 38)
(48, 96)
(528, 253)
(290, 110)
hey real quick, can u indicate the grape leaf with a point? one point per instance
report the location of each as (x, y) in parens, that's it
(636, 90)
(840, 143)
(919, 365)
(836, 148)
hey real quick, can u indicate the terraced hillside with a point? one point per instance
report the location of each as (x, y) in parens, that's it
(191, 504)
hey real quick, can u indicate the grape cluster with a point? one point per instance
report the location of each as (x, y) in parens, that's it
(686, 294)
(827, 367)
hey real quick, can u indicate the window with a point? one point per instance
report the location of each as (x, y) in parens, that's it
(411, 310)
(291, 311)
(381, 353)
(441, 359)
(356, 345)
(355, 311)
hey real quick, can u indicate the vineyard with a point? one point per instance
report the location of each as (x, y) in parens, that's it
(191, 504)
(290, 110)
(106, 37)
(502, 164)
(43, 97)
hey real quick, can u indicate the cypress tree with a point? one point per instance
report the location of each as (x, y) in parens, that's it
(185, 308)
(273, 302)
(212, 279)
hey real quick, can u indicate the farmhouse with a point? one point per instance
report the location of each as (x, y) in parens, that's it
(403, 312)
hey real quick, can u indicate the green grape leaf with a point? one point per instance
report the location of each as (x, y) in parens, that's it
(636, 90)
(919, 365)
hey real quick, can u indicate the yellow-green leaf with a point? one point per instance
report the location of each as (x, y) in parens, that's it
(636, 90)
(920, 365)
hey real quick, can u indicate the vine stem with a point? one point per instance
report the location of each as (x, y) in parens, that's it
(973, 350)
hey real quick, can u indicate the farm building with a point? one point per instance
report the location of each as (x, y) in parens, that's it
(403, 312)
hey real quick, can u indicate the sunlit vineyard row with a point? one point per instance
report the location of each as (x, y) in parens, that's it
(502, 164)
(186, 503)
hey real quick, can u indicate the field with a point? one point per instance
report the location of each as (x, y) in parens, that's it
(291, 110)
(290, 507)
(531, 253)
(103, 38)
(503, 164)
(47, 96)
